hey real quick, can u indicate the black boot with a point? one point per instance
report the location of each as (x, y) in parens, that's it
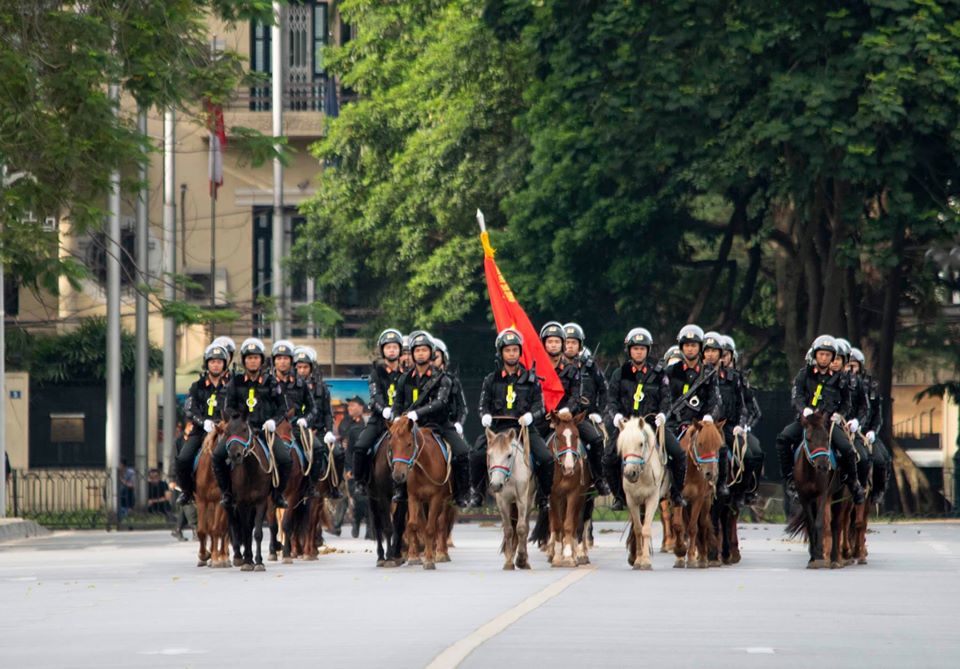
(361, 473)
(785, 455)
(723, 473)
(185, 482)
(478, 476)
(595, 457)
(544, 485)
(614, 478)
(879, 489)
(462, 491)
(848, 464)
(283, 474)
(222, 474)
(678, 472)
(399, 491)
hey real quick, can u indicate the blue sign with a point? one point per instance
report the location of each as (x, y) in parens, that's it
(15, 394)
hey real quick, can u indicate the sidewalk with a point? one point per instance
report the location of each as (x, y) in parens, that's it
(18, 528)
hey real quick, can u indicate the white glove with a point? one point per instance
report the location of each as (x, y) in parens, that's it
(838, 419)
(412, 415)
(486, 420)
(871, 436)
(707, 419)
(660, 419)
(459, 428)
(526, 419)
(618, 421)
(387, 413)
(208, 425)
(564, 413)
(807, 412)
(853, 426)
(270, 425)
(330, 438)
(302, 422)
(737, 431)
(595, 418)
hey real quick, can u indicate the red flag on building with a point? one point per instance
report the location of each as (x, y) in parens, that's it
(218, 142)
(508, 313)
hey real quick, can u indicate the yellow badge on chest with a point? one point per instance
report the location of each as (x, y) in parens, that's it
(638, 397)
(391, 394)
(211, 404)
(251, 399)
(686, 388)
(817, 395)
(416, 394)
(511, 396)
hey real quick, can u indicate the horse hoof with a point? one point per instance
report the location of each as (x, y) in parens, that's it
(817, 564)
(237, 562)
(862, 561)
(287, 560)
(272, 557)
(583, 560)
(311, 558)
(390, 564)
(735, 558)
(630, 560)
(848, 562)
(259, 567)
(680, 563)
(414, 562)
(714, 563)
(643, 566)
(836, 565)
(508, 566)
(429, 565)
(443, 558)
(381, 563)
(246, 567)
(201, 563)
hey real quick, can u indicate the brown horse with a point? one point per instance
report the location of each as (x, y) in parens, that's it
(815, 474)
(388, 524)
(418, 461)
(726, 511)
(571, 480)
(692, 524)
(251, 477)
(211, 517)
(291, 520)
(854, 532)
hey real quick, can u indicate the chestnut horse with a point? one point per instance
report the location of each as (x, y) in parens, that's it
(692, 524)
(855, 516)
(292, 520)
(815, 474)
(211, 517)
(511, 482)
(567, 546)
(252, 473)
(418, 460)
(644, 483)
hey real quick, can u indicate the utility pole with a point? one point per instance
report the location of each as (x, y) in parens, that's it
(142, 368)
(170, 270)
(278, 289)
(113, 255)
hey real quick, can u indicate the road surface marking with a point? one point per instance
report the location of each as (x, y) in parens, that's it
(458, 652)
(759, 650)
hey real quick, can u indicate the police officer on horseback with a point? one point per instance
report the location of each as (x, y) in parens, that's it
(872, 424)
(383, 395)
(553, 338)
(817, 388)
(258, 398)
(203, 408)
(593, 399)
(458, 401)
(859, 408)
(305, 361)
(731, 375)
(638, 389)
(424, 397)
(511, 397)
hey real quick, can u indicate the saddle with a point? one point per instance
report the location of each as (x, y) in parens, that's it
(298, 448)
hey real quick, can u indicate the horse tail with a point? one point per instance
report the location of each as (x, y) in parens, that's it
(797, 524)
(541, 530)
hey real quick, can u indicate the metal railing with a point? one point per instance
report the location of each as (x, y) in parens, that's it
(296, 97)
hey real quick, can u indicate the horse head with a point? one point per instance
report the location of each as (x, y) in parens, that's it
(238, 437)
(816, 441)
(705, 444)
(635, 445)
(403, 448)
(566, 446)
(501, 454)
(285, 431)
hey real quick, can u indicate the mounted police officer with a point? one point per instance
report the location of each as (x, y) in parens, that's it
(256, 396)
(859, 408)
(872, 424)
(204, 405)
(692, 384)
(424, 397)
(458, 401)
(511, 397)
(639, 389)
(593, 399)
(818, 388)
(231, 346)
(753, 459)
(731, 408)
(305, 361)
(383, 395)
(406, 355)
(552, 337)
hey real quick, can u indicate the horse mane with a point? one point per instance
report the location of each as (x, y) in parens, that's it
(638, 429)
(813, 421)
(714, 433)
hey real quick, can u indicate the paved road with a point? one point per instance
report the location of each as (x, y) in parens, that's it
(91, 599)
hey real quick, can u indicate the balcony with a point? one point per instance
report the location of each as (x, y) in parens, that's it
(302, 103)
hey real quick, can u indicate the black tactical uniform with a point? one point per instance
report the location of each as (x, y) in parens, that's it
(350, 430)
(299, 401)
(323, 424)
(873, 423)
(383, 395)
(681, 378)
(205, 401)
(736, 410)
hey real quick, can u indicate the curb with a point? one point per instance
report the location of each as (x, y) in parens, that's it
(18, 528)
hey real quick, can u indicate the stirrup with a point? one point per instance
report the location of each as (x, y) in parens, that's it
(226, 500)
(184, 498)
(278, 500)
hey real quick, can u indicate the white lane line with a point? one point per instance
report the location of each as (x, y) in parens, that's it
(458, 652)
(940, 548)
(759, 650)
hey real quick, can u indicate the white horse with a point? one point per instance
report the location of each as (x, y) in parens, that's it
(511, 482)
(644, 484)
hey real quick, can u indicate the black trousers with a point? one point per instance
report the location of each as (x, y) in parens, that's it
(362, 446)
(281, 454)
(792, 435)
(186, 456)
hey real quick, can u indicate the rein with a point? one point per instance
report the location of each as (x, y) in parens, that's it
(414, 459)
(517, 445)
(249, 448)
(694, 449)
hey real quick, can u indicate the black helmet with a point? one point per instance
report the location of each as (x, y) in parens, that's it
(551, 329)
(422, 338)
(442, 347)
(282, 347)
(690, 333)
(713, 340)
(302, 354)
(637, 337)
(226, 343)
(824, 343)
(509, 337)
(843, 348)
(672, 352)
(215, 352)
(574, 331)
(389, 336)
(857, 355)
(252, 346)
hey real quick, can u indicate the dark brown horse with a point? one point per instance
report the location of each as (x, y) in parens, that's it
(726, 511)
(815, 474)
(251, 477)
(418, 461)
(388, 524)
(567, 546)
(292, 519)
(692, 524)
(211, 517)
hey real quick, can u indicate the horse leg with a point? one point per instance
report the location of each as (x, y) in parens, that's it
(636, 527)
(289, 518)
(413, 528)
(203, 554)
(860, 537)
(260, 512)
(571, 519)
(554, 545)
(523, 514)
(691, 532)
(714, 548)
(509, 531)
(734, 538)
(377, 518)
(646, 533)
(581, 530)
(430, 531)
(669, 539)
(679, 539)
